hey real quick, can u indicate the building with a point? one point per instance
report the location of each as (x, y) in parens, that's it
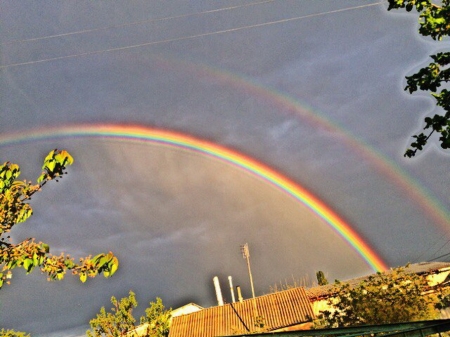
(281, 311)
(284, 311)
(186, 309)
(437, 273)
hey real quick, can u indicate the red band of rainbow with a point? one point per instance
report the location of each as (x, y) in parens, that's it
(171, 138)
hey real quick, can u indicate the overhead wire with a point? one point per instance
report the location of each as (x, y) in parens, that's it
(439, 257)
(190, 36)
(440, 248)
(182, 16)
(430, 247)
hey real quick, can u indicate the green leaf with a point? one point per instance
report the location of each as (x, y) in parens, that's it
(69, 264)
(35, 259)
(41, 178)
(114, 265)
(46, 247)
(24, 213)
(49, 156)
(28, 265)
(69, 158)
(102, 261)
(12, 264)
(50, 165)
(97, 257)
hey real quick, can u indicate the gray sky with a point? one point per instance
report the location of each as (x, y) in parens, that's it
(310, 88)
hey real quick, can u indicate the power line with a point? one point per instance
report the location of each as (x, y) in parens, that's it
(439, 257)
(136, 23)
(188, 37)
(430, 247)
(442, 246)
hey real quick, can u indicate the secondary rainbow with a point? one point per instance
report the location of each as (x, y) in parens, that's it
(179, 140)
(432, 207)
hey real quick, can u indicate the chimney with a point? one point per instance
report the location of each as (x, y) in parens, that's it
(238, 288)
(218, 291)
(230, 279)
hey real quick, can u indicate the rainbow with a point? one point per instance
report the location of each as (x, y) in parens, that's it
(432, 207)
(231, 157)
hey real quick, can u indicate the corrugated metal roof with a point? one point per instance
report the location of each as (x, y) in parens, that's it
(281, 309)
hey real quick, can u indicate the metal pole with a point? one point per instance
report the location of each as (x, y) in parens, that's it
(246, 255)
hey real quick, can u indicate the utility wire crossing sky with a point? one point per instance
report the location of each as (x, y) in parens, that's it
(308, 92)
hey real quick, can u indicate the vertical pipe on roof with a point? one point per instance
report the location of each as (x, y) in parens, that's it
(240, 298)
(230, 279)
(218, 291)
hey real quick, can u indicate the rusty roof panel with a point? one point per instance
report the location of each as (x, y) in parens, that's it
(281, 309)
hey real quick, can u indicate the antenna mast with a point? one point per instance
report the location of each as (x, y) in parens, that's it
(246, 255)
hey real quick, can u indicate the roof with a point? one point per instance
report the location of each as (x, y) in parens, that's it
(406, 329)
(428, 267)
(281, 309)
(418, 268)
(186, 309)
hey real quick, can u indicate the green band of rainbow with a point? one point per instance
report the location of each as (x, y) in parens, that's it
(241, 161)
(282, 102)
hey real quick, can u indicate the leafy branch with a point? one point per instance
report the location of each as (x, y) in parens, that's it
(434, 21)
(120, 321)
(15, 209)
(389, 297)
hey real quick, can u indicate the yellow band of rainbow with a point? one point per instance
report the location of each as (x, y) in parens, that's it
(171, 138)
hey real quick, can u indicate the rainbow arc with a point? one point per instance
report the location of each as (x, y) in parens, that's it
(228, 156)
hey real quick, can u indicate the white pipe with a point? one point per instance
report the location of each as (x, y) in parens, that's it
(218, 291)
(230, 279)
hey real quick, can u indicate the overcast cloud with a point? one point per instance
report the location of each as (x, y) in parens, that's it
(319, 99)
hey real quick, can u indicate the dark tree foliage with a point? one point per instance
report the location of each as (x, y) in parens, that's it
(434, 21)
(119, 321)
(390, 297)
(321, 279)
